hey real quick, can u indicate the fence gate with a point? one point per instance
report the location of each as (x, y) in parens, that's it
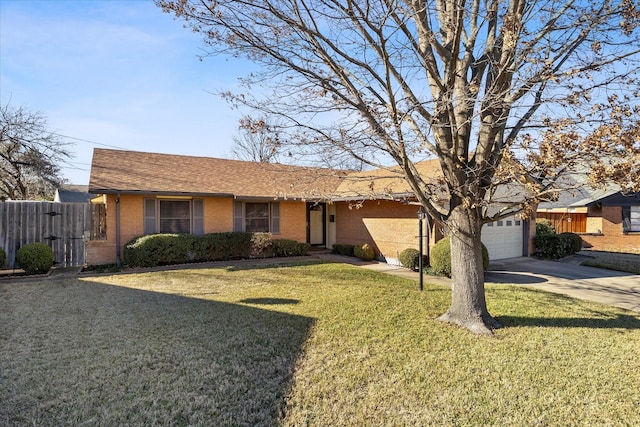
(62, 226)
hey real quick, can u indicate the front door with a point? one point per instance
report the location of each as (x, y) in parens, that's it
(316, 225)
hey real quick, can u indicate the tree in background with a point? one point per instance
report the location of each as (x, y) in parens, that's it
(484, 86)
(257, 143)
(30, 155)
(260, 142)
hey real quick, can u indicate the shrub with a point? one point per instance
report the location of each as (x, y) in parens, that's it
(557, 246)
(441, 257)
(549, 246)
(410, 258)
(3, 257)
(261, 245)
(544, 226)
(35, 258)
(575, 242)
(285, 247)
(162, 249)
(159, 249)
(223, 246)
(364, 252)
(343, 249)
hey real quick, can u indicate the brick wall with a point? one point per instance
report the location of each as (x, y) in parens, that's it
(218, 217)
(612, 238)
(293, 221)
(389, 227)
(218, 214)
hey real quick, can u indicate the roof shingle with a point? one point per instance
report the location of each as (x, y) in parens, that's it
(120, 171)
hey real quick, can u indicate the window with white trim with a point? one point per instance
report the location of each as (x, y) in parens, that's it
(173, 216)
(256, 217)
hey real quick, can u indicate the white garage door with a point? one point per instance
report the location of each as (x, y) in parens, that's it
(503, 238)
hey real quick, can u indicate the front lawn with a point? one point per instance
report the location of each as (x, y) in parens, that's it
(306, 344)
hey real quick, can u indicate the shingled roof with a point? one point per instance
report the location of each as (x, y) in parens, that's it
(133, 172)
(384, 183)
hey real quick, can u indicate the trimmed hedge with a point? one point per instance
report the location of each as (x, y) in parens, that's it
(343, 249)
(575, 241)
(441, 257)
(159, 249)
(3, 257)
(557, 246)
(364, 252)
(163, 249)
(35, 258)
(285, 247)
(223, 246)
(410, 258)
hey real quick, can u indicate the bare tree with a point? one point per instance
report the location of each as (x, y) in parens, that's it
(472, 83)
(30, 155)
(258, 142)
(261, 142)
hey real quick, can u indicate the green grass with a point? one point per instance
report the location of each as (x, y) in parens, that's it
(612, 266)
(629, 263)
(306, 344)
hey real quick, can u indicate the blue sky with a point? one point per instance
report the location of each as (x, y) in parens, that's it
(116, 73)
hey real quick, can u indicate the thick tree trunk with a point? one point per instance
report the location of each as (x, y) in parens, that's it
(468, 304)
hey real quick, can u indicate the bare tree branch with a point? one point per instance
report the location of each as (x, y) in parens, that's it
(476, 84)
(30, 155)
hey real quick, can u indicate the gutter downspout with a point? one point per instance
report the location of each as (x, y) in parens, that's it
(118, 260)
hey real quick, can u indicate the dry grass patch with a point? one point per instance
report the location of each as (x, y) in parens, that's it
(315, 344)
(627, 262)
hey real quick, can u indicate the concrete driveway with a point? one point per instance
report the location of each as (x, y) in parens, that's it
(569, 278)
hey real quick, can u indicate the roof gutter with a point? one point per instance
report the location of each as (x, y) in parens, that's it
(157, 193)
(395, 197)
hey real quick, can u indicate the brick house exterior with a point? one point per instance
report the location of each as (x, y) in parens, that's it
(612, 226)
(388, 226)
(606, 220)
(214, 195)
(146, 193)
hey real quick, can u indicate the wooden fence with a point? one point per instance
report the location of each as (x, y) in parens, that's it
(566, 222)
(62, 226)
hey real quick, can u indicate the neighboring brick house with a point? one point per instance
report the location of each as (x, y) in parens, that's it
(145, 193)
(607, 220)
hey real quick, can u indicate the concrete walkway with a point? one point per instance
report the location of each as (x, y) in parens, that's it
(567, 277)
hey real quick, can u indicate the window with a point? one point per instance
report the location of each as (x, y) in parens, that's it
(255, 217)
(631, 219)
(173, 216)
